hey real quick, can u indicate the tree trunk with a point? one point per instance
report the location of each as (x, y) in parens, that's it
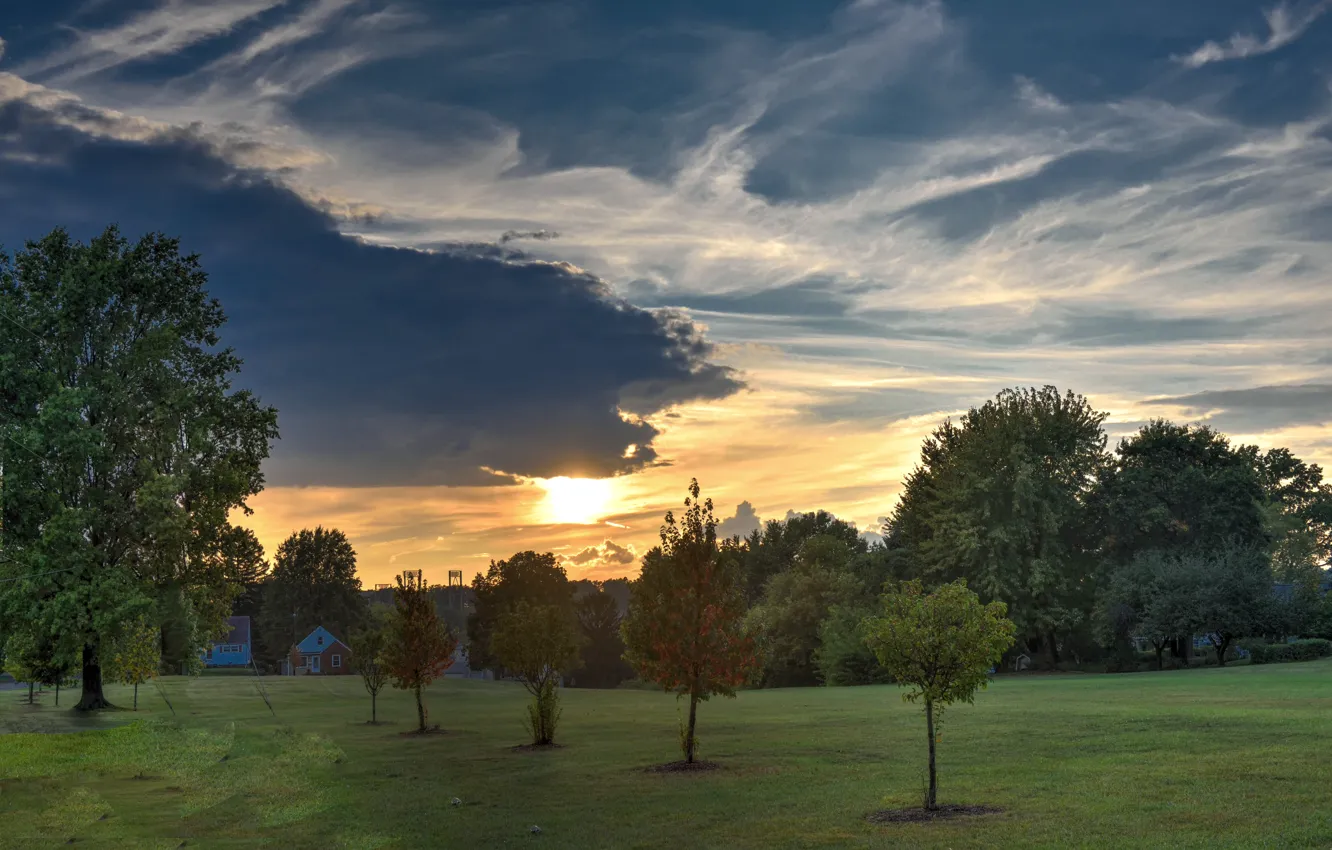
(690, 746)
(420, 711)
(1054, 648)
(31, 697)
(1221, 646)
(1160, 654)
(931, 795)
(57, 694)
(136, 696)
(374, 700)
(92, 698)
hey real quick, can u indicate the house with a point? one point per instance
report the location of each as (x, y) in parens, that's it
(320, 653)
(461, 668)
(235, 649)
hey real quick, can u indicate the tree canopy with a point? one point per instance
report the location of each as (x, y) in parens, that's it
(535, 578)
(313, 583)
(126, 447)
(1000, 500)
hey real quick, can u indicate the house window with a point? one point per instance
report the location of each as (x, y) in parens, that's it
(320, 640)
(337, 661)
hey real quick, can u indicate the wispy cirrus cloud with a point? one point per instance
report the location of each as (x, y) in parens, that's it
(1284, 25)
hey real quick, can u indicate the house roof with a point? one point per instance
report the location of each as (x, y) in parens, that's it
(317, 641)
(240, 630)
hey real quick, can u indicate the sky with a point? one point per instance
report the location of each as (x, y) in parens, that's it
(513, 273)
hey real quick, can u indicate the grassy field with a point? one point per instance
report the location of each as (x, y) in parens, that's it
(1211, 758)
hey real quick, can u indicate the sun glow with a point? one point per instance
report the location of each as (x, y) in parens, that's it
(576, 501)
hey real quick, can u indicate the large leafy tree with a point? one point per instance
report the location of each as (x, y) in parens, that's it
(313, 583)
(532, 577)
(773, 549)
(685, 629)
(1000, 500)
(126, 447)
(1299, 519)
(795, 605)
(941, 647)
(1175, 495)
(601, 662)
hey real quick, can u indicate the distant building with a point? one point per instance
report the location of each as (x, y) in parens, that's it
(319, 654)
(235, 650)
(461, 668)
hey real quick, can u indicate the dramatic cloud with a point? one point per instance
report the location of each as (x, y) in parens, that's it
(1283, 24)
(389, 366)
(608, 553)
(745, 522)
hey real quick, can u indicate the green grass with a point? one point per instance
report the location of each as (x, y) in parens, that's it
(1204, 758)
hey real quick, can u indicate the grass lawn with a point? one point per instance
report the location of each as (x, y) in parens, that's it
(1203, 758)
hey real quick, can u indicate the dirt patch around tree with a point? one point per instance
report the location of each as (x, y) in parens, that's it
(429, 730)
(536, 748)
(684, 767)
(923, 815)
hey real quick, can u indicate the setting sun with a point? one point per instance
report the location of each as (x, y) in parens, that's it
(576, 501)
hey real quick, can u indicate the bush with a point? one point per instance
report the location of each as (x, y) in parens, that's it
(1300, 650)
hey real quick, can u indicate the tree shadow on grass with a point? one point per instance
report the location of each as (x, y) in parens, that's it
(684, 767)
(923, 815)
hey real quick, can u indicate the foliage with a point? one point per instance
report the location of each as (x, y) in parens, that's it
(1300, 650)
(247, 568)
(368, 645)
(940, 646)
(1173, 488)
(36, 659)
(602, 663)
(842, 657)
(685, 628)
(126, 446)
(794, 606)
(537, 643)
(1000, 501)
(537, 579)
(772, 550)
(420, 646)
(1299, 519)
(136, 656)
(313, 584)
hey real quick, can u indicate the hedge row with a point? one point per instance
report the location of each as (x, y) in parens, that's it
(1300, 650)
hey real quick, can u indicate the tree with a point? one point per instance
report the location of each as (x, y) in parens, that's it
(420, 646)
(685, 628)
(126, 448)
(794, 606)
(772, 550)
(528, 576)
(313, 583)
(538, 643)
(368, 646)
(842, 657)
(247, 568)
(1299, 519)
(36, 659)
(1001, 500)
(1183, 494)
(136, 655)
(941, 646)
(602, 663)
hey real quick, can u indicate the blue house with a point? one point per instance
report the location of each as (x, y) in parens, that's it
(235, 649)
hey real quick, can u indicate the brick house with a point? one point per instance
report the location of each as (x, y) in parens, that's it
(321, 654)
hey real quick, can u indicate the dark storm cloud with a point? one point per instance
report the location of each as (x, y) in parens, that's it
(389, 366)
(1257, 408)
